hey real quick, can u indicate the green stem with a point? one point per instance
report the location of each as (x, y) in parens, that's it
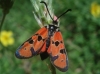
(2, 21)
(52, 68)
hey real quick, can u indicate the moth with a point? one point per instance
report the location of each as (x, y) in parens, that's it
(46, 42)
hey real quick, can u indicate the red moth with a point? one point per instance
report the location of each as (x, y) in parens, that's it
(47, 42)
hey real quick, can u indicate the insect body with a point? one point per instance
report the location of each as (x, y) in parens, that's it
(47, 42)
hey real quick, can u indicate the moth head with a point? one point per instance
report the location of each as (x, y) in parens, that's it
(55, 19)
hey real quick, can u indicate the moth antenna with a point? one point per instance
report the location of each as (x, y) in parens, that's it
(47, 8)
(63, 14)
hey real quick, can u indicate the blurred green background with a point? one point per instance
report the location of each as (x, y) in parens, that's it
(80, 29)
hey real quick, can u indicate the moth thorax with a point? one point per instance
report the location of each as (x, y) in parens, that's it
(51, 27)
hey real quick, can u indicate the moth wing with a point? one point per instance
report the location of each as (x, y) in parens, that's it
(44, 54)
(57, 52)
(33, 45)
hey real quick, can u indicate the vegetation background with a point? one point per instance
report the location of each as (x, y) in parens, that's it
(80, 29)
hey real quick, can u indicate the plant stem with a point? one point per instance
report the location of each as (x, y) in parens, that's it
(51, 67)
(2, 21)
